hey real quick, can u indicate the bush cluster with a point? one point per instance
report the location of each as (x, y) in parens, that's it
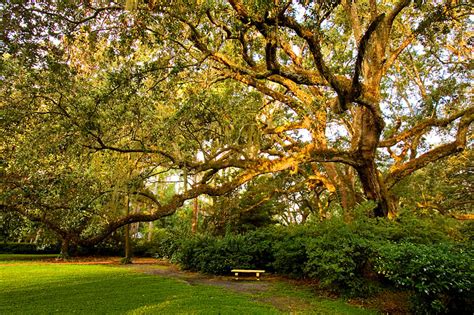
(26, 248)
(424, 256)
(441, 275)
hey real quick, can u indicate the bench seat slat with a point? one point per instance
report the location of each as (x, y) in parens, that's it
(247, 270)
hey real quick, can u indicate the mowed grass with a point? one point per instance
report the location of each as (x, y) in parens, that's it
(45, 288)
(94, 289)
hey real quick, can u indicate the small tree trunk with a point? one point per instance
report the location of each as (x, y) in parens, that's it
(194, 224)
(64, 249)
(344, 189)
(38, 235)
(150, 231)
(128, 245)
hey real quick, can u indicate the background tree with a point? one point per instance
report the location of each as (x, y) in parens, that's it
(443, 187)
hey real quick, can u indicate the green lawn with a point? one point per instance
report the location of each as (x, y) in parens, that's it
(41, 288)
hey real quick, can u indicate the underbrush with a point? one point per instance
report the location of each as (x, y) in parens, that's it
(26, 248)
(428, 256)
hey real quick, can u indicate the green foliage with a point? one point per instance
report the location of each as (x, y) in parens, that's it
(338, 257)
(443, 187)
(218, 255)
(13, 258)
(345, 257)
(289, 250)
(211, 255)
(408, 227)
(126, 260)
(441, 275)
(164, 245)
(467, 231)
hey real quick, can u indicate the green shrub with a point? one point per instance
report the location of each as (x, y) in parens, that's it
(218, 255)
(407, 228)
(290, 252)
(27, 248)
(339, 258)
(442, 275)
(467, 231)
(18, 248)
(429, 230)
(340, 255)
(258, 245)
(164, 245)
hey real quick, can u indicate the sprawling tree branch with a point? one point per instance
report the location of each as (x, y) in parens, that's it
(399, 172)
(424, 126)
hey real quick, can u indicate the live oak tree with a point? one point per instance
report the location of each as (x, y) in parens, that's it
(344, 93)
(358, 77)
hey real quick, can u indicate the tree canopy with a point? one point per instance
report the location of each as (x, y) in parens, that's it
(347, 99)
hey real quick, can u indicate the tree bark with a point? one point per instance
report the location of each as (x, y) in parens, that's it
(128, 245)
(344, 188)
(151, 225)
(65, 249)
(38, 235)
(369, 131)
(194, 223)
(374, 189)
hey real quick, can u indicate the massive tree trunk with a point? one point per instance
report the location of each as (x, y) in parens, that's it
(374, 189)
(368, 118)
(366, 142)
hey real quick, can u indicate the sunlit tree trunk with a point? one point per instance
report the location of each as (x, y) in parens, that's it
(368, 120)
(151, 225)
(344, 190)
(372, 186)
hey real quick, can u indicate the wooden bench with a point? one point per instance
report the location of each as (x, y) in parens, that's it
(256, 272)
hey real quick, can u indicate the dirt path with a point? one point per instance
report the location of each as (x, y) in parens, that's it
(259, 290)
(165, 269)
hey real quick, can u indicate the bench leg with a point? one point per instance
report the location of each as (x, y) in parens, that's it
(236, 276)
(258, 276)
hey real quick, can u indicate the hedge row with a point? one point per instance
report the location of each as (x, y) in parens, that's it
(423, 256)
(26, 248)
